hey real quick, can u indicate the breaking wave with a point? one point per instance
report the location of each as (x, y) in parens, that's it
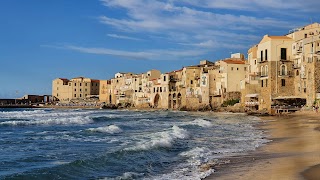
(161, 139)
(202, 123)
(51, 121)
(112, 129)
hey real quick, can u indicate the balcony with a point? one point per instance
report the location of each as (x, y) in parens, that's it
(285, 59)
(173, 79)
(285, 73)
(296, 66)
(303, 76)
(299, 50)
(262, 74)
(262, 60)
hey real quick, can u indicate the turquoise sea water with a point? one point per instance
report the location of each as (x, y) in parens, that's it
(113, 144)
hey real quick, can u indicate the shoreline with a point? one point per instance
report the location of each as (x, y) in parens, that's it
(293, 153)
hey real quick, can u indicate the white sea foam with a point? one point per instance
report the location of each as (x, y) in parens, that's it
(51, 121)
(202, 123)
(112, 129)
(185, 173)
(161, 139)
(41, 114)
(127, 175)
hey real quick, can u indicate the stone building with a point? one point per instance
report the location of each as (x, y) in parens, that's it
(227, 79)
(105, 94)
(250, 88)
(77, 88)
(288, 70)
(305, 51)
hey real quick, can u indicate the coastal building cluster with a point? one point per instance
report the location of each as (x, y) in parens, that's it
(280, 71)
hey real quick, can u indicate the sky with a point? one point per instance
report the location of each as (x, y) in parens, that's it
(43, 40)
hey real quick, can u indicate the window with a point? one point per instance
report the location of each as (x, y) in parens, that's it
(117, 80)
(231, 68)
(75, 95)
(204, 80)
(86, 84)
(157, 89)
(57, 95)
(283, 70)
(262, 71)
(75, 84)
(164, 78)
(154, 89)
(266, 70)
(96, 84)
(245, 68)
(191, 82)
(266, 82)
(283, 82)
(80, 95)
(135, 79)
(283, 54)
(305, 35)
(69, 84)
(80, 84)
(297, 73)
(237, 69)
(261, 83)
(57, 88)
(160, 89)
(85, 90)
(255, 61)
(266, 54)
(75, 89)
(80, 90)
(261, 55)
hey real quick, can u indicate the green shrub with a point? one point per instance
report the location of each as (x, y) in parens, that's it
(230, 102)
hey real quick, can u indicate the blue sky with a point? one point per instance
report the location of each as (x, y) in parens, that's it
(42, 40)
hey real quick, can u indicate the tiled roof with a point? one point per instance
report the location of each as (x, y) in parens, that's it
(234, 61)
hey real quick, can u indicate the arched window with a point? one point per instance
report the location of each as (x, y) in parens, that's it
(266, 70)
(283, 70)
(297, 73)
(262, 71)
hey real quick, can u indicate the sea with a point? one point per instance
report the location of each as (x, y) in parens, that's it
(121, 144)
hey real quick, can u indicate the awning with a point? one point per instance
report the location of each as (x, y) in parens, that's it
(288, 97)
(252, 95)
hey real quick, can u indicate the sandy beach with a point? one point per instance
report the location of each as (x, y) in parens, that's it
(293, 154)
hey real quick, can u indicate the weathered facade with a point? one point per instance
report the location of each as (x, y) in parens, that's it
(287, 68)
(74, 89)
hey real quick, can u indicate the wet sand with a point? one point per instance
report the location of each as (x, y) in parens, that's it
(293, 154)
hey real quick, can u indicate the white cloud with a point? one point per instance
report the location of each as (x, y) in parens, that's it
(255, 5)
(153, 54)
(123, 37)
(183, 23)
